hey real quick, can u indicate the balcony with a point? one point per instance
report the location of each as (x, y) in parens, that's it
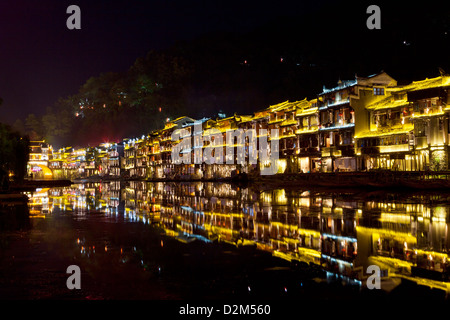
(428, 112)
(288, 122)
(308, 150)
(369, 150)
(421, 142)
(275, 120)
(289, 134)
(327, 105)
(307, 129)
(327, 151)
(338, 151)
(394, 148)
(333, 126)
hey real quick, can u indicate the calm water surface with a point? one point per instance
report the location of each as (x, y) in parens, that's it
(139, 240)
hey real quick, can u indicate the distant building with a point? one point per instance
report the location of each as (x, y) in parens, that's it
(38, 161)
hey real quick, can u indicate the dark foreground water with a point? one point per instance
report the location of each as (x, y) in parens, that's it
(136, 240)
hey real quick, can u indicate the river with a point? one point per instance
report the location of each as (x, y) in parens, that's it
(204, 240)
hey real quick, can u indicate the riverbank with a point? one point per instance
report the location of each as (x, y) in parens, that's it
(31, 185)
(381, 179)
(374, 179)
(240, 178)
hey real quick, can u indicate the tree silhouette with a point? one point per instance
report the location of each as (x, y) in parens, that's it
(14, 151)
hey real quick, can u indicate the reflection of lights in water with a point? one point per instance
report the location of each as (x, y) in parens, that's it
(296, 219)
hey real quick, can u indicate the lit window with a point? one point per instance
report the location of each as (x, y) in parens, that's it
(378, 91)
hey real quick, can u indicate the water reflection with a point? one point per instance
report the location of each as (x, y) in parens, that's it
(343, 233)
(14, 216)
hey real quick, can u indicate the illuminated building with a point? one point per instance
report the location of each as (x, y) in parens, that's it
(282, 117)
(129, 156)
(260, 123)
(362, 124)
(141, 157)
(57, 162)
(343, 115)
(38, 160)
(154, 155)
(135, 157)
(115, 154)
(215, 137)
(308, 154)
(102, 159)
(88, 163)
(429, 102)
(78, 168)
(408, 130)
(191, 135)
(386, 144)
(167, 167)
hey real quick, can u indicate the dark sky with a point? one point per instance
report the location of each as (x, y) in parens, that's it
(41, 60)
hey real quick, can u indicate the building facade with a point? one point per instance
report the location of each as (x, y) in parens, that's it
(368, 123)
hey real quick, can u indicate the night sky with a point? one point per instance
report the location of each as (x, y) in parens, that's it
(41, 60)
